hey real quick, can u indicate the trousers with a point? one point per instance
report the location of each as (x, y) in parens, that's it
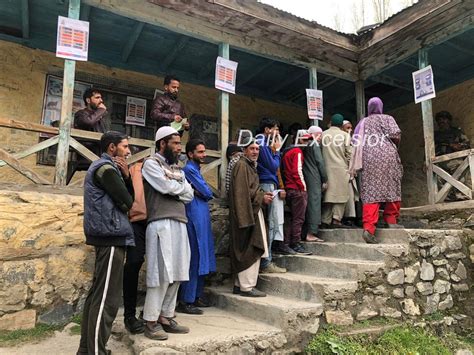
(370, 214)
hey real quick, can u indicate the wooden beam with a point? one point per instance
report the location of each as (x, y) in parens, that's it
(360, 99)
(428, 134)
(471, 170)
(174, 53)
(327, 83)
(290, 79)
(211, 32)
(34, 149)
(388, 80)
(23, 170)
(313, 84)
(455, 155)
(449, 179)
(224, 52)
(25, 18)
(213, 164)
(85, 13)
(139, 156)
(127, 49)
(461, 49)
(255, 72)
(447, 187)
(82, 150)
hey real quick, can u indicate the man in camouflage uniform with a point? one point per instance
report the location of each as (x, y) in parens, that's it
(450, 139)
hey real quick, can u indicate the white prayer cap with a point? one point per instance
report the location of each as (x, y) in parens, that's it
(346, 122)
(164, 131)
(314, 129)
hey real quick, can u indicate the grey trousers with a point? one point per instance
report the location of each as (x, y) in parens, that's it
(332, 211)
(103, 300)
(160, 301)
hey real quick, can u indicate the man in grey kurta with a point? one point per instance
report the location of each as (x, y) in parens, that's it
(337, 154)
(167, 246)
(316, 181)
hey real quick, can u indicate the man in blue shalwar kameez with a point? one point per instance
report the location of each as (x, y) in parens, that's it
(201, 240)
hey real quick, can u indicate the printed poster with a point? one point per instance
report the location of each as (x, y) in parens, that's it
(136, 111)
(314, 100)
(226, 73)
(423, 84)
(73, 39)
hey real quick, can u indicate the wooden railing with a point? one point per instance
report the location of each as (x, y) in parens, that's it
(453, 180)
(13, 160)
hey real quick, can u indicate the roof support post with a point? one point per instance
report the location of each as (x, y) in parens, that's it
(66, 108)
(428, 133)
(360, 99)
(313, 84)
(223, 109)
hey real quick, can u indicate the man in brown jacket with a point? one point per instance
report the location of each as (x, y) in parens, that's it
(248, 240)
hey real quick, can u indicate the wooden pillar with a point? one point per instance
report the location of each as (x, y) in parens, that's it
(428, 134)
(66, 108)
(360, 99)
(223, 108)
(313, 84)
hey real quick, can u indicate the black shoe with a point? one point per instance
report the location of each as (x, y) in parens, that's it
(300, 249)
(188, 308)
(285, 250)
(201, 303)
(133, 325)
(253, 293)
(236, 290)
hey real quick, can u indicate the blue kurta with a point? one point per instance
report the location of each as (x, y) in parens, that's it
(201, 239)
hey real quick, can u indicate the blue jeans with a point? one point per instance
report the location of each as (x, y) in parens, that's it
(275, 222)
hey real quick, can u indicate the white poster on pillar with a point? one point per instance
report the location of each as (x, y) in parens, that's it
(136, 111)
(226, 74)
(314, 100)
(72, 39)
(423, 84)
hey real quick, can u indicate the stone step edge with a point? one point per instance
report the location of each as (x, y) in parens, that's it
(333, 259)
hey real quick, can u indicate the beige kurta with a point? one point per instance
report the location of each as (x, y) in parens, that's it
(336, 147)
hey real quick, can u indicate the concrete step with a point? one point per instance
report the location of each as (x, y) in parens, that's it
(386, 236)
(357, 251)
(273, 310)
(305, 287)
(322, 266)
(216, 331)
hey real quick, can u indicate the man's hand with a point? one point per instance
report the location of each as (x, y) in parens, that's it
(324, 186)
(267, 198)
(122, 165)
(178, 118)
(101, 105)
(186, 126)
(282, 194)
(276, 144)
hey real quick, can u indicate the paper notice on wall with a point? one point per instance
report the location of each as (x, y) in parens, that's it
(423, 84)
(314, 100)
(136, 111)
(226, 73)
(73, 39)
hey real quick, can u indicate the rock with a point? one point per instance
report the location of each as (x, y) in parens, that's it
(279, 341)
(25, 319)
(427, 271)
(446, 304)
(423, 253)
(455, 278)
(441, 286)
(398, 293)
(425, 243)
(440, 262)
(13, 298)
(460, 316)
(461, 271)
(442, 272)
(396, 277)
(456, 256)
(425, 288)
(380, 301)
(366, 313)
(452, 242)
(463, 352)
(313, 328)
(263, 345)
(434, 251)
(448, 320)
(379, 290)
(432, 302)
(410, 291)
(58, 315)
(471, 248)
(353, 303)
(339, 317)
(409, 307)
(411, 272)
(390, 312)
(461, 287)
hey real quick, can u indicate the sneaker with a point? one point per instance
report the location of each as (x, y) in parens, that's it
(155, 332)
(253, 293)
(300, 249)
(272, 268)
(133, 325)
(370, 238)
(174, 327)
(188, 308)
(285, 250)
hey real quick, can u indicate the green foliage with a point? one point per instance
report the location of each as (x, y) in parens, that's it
(75, 330)
(15, 337)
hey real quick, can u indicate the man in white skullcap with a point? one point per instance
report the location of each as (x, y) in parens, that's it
(168, 252)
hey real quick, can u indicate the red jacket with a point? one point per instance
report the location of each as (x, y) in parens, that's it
(293, 169)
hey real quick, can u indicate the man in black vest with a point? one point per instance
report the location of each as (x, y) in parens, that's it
(108, 195)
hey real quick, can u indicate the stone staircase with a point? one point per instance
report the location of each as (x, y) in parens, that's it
(289, 316)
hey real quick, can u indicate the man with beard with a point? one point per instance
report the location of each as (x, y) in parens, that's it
(167, 110)
(248, 240)
(201, 240)
(108, 196)
(167, 247)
